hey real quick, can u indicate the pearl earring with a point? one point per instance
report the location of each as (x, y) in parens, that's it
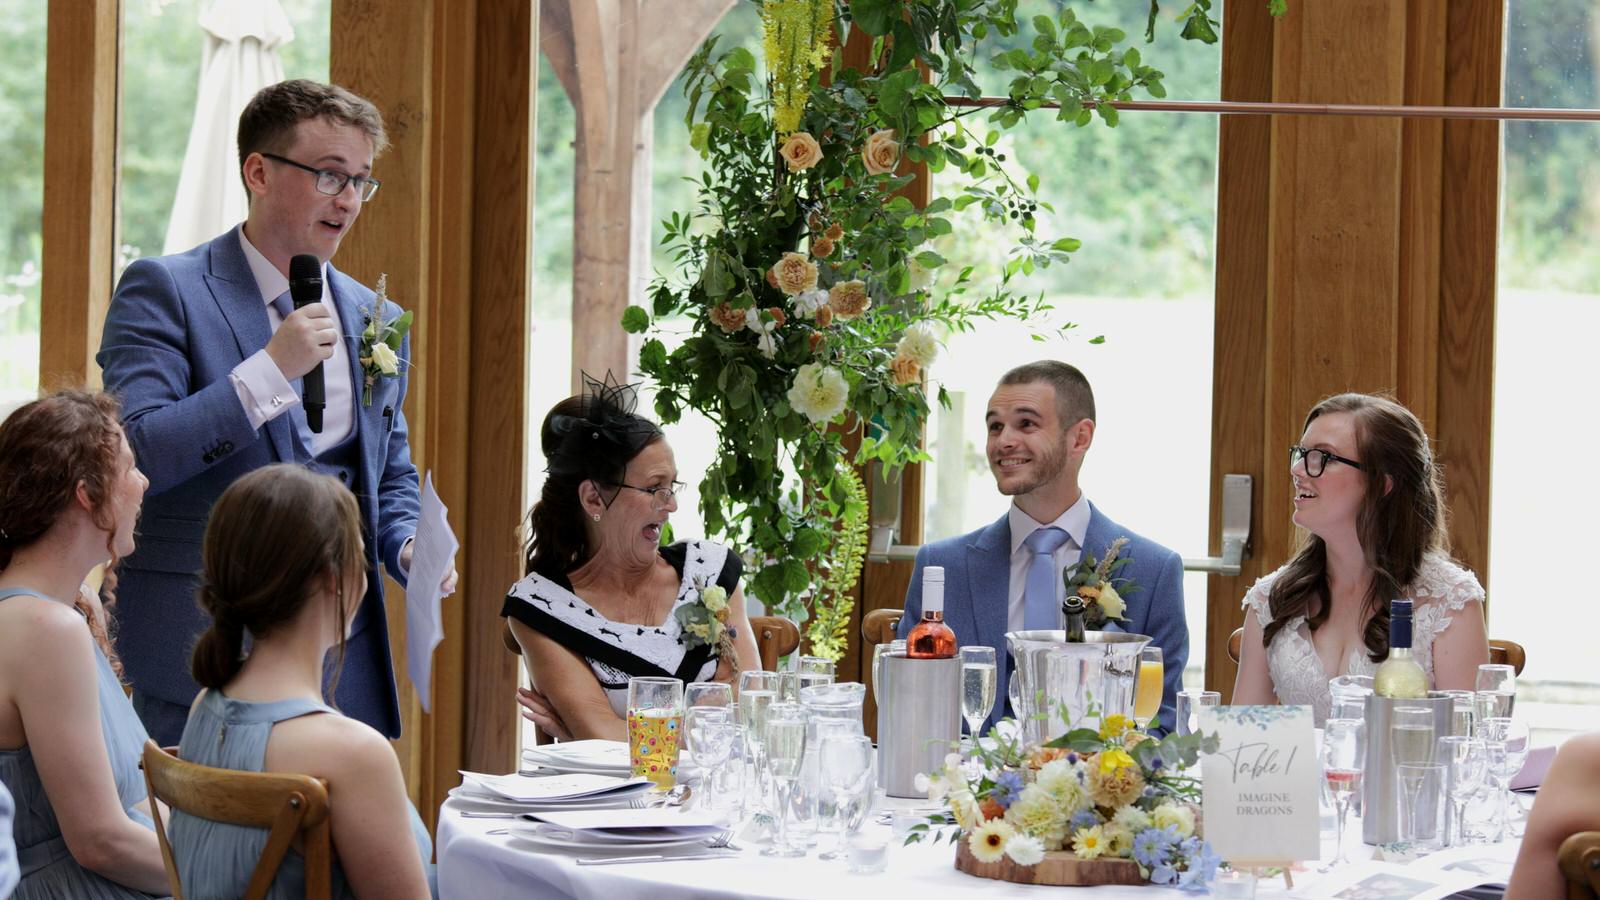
(596, 517)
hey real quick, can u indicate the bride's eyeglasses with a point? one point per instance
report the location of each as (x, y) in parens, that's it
(1317, 460)
(659, 496)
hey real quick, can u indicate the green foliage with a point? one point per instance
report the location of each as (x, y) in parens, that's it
(777, 475)
(829, 629)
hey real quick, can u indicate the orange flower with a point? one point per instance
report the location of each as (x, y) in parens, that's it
(821, 247)
(794, 273)
(990, 809)
(727, 318)
(801, 151)
(824, 317)
(814, 221)
(849, 299)
(905, 370)
(772, 277)
(1044, 755)
(835, 232)
(778, 317)
(817, 341)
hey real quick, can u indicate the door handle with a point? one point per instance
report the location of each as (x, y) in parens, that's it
(1236, 491)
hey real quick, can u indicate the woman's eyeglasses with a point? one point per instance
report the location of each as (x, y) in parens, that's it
(1317, 460)
(659, 496)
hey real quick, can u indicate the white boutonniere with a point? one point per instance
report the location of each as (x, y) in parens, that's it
(705, 622)
(379, 350)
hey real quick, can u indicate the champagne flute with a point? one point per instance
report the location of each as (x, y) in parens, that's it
(1506, 748)
(846, 769)
(1411, 744)
(785, 741)
(1189, 705)
(1462, 705)
(1151, 684)
(1464, 754)
(978, 677)
(757, 692)
(1344, 756)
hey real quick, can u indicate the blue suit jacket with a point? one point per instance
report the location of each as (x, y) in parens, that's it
(977, 578)
(176, 328)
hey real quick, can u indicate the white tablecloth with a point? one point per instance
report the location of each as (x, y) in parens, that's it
(474, 865)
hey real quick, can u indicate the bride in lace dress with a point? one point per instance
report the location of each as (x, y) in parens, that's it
(1368, 494)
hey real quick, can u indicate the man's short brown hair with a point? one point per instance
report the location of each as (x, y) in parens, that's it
(268, 122)
(1074, 398)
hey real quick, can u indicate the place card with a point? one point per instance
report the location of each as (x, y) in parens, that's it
(1261, 787)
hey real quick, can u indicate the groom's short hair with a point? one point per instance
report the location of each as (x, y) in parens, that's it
(269, 120)
(1074, 398)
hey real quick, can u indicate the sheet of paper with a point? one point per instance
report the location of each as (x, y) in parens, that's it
(1261, 786)
(656, 822)
(556, 787)
(432, 554)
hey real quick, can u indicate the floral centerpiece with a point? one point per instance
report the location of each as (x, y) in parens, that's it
(1111, 793)
(805, 309)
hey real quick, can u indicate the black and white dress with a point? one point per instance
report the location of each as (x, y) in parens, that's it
(617, 651)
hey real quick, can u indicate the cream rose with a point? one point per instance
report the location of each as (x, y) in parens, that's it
(387, 361)
(1111, 602)
(819, 392)
(794, 273)
(714, 599)
(881, 153)
(801, 151)
(918, 344)
(849, 299)
(1181, 817)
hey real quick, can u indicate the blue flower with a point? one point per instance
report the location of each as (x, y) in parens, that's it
(1084, 818)
(1163, 875)
(1151, 846)
(1156, 763)
(1200, 869)
(1006, 788)
(1072, 758)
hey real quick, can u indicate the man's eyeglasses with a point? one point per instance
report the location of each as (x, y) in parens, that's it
(659, 496)
(1317, 460)
(331, 182)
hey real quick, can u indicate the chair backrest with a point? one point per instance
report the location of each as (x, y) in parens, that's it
(289, 805)
(1509, 653)
(775, 637)
(878, 626)
(1579, 858)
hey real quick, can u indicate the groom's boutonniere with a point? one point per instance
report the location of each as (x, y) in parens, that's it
(706, 621)
(1096, 583)
(379, 351)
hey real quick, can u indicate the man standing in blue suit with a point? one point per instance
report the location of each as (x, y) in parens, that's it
(1008, 576)
(207, 352)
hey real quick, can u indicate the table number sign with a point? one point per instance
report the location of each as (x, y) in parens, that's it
(1261, 785)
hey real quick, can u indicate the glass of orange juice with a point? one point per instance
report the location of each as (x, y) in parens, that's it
(655, 728)
(1152, 680)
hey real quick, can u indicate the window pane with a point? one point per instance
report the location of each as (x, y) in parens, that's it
(162, 47)
(1142, 198)
(22, 46)
(1548, 305)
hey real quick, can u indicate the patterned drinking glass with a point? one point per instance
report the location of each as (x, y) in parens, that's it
(655, 728)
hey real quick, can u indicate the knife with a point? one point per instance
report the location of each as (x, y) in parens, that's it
(659, 857)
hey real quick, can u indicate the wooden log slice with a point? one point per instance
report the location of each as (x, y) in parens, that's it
(1058, 867)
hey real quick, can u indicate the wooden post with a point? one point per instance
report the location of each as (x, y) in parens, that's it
(596, 49)
(80, 187)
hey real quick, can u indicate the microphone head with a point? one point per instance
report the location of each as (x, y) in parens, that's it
(305, 279)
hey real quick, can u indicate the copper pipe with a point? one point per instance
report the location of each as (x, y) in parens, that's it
(1241, 108)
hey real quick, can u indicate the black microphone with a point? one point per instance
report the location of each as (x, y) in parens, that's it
(305, 287)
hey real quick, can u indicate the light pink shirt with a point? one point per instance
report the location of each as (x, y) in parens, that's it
(262, 389)
(1075, 521)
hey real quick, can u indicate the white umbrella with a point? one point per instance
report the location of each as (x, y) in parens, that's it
(241, 58)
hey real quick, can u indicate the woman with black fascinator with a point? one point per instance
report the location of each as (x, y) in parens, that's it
(603, 600)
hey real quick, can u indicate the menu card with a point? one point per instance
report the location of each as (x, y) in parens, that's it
(1261, 787)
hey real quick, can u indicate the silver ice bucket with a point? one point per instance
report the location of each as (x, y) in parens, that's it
(919, 719)
(1380, 801)
(1054, 682)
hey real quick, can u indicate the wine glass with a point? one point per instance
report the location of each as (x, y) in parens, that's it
(1462, 705)
(1344, 756)
(1189, 705)
(704, 694)
(847, 776)
(978, 678)
(1151, 684)
(1464, 754)
(1506, 748)
(757, 692)
(785, 740)
(1496, 687)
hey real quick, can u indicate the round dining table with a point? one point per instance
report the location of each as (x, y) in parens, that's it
(480, 860)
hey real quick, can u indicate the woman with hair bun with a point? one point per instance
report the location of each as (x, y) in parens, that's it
(603, 601)
(69, 740)
(284, 561)
(1368, 494)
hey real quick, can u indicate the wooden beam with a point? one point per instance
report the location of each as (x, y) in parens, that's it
(80, 187)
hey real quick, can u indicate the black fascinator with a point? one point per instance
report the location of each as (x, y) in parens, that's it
(596, 433)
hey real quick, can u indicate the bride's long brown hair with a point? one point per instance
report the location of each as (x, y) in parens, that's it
(1401, 520)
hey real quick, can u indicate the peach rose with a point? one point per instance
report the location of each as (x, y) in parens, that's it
(835, 232)
(727, 318)
(817, 341)
(778, 318)
(814, 220)
(772, 277)
(905, 370)
(801, 151)
(821, 247)
(824, 316)
(881, 153)
(849, 299)
(793, 274)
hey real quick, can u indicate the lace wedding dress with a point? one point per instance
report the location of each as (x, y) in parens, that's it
(1441, 589)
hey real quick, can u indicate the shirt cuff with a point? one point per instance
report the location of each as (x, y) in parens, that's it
(401, 556)
(263, 391)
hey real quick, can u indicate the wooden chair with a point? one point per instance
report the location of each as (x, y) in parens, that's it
(290, 806)
(775, 637)
(880, 625)
(1508, 653)
(1579, 858)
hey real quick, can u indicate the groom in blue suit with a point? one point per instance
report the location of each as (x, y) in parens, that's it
(1008, 576)
(207, 353)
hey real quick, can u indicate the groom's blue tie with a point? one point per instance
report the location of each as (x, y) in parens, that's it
(284, 304)
(1039, 603)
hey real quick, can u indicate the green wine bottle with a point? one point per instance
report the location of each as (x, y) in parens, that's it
(1072, 608)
